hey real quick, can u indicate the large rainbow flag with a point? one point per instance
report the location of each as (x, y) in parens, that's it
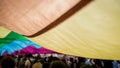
(86, 28)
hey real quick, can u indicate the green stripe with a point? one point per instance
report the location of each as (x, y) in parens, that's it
(11, 37)
(1, 45)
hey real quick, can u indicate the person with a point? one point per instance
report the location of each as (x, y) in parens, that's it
(7, 62)
(98, 63)
(57, 64)
(86, 66)
(118, 61)
(108, 64)
(71, 62)
(37, 63)
(28, 63)
(22, 62)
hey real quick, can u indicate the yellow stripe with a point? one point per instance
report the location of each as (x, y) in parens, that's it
(94, 32)
(3, 32)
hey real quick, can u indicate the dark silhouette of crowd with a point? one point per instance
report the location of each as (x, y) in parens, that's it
(55, 61)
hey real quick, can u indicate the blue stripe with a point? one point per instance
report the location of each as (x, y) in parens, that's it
(17, 45)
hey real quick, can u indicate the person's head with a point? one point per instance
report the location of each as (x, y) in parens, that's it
(57, 64)
(7, 62)
(86, 66)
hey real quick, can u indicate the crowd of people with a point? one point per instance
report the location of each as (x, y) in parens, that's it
(55, 61)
